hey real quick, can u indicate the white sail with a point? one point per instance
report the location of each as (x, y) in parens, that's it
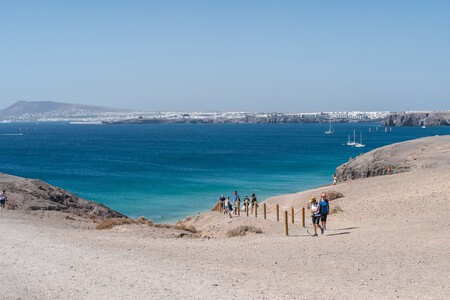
(330, 129)
(354, 140)
(360, 144)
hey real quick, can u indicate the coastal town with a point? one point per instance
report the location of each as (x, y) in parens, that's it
(48, 111)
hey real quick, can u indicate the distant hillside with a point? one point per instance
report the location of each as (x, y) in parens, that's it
(418, 119)
(42, 107)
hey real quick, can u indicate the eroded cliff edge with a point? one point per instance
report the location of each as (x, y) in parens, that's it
(33, 194)
(429, 152)
(418, 119)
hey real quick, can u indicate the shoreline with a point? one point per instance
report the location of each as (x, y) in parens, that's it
(381, 244)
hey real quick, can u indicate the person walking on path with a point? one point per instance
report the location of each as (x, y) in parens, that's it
(324, 210)
(334, 179)
(222, 203)
(246, 204)
(236, 197)
(3, 198)
(228, 207)
(253, 201)
(315, 215)
(236, 204)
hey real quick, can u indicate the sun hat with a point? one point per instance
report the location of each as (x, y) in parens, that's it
(313, 199)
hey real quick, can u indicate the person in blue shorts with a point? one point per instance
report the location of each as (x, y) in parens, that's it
(324, 210)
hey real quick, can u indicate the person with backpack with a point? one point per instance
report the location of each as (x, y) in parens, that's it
(324, 210)
(315, 215)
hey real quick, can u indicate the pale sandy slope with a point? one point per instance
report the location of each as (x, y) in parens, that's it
(391, 241)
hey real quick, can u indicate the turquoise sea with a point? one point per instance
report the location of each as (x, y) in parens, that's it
(166, 172)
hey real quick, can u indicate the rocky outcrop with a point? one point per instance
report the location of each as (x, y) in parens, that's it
(429, 152)
(32, 194)
(418, 119)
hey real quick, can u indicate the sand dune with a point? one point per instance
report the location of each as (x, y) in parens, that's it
(391, 240)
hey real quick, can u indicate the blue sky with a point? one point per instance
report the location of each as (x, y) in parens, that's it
(285, 56)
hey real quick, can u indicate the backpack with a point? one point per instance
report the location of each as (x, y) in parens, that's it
(323, 208)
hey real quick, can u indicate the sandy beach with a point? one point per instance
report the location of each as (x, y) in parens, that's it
(389, 239)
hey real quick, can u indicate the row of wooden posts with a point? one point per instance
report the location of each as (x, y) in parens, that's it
(220, 208)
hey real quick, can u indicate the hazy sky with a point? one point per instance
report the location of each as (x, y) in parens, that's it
(228, 55)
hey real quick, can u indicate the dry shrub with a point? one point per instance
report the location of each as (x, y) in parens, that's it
(242, 230)
(142, 220)
(90, 217)
(332, 195)
(110, 223)
(70, 218)
(335, 209)
(190, 228)
(163, 226)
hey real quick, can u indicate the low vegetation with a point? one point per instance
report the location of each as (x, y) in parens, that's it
(242, 230)
(182, 226)
(110, 223)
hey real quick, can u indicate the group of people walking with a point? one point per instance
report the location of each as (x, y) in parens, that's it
(319, 209)
(319, 213)
(232, 207)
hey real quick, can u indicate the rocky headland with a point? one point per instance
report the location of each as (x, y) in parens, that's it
(418, 119)
(36, 195)
(424, 153)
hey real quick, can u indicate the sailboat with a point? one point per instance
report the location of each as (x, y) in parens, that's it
(360, 144)
(330, 129)
(354, 141)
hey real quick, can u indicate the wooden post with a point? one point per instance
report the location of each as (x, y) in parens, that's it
(286, 222)
(265, 209)
(292, 215)
(256, 209)
(239, 208)
(278, 212)
(218, 206)
(221, 207)
(246, 208)
(303, 217)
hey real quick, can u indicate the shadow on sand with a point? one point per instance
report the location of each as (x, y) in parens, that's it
(326, 232)
(340, 233)
(348, 228)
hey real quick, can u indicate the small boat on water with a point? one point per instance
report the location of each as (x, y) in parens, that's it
(349, 143)
(360, 144)
(330, 129)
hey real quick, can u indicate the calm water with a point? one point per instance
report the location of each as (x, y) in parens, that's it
(168, 171)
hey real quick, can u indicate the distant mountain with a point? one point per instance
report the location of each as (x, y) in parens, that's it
(44, 107)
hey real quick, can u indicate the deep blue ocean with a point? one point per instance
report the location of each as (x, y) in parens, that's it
(166, 172)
